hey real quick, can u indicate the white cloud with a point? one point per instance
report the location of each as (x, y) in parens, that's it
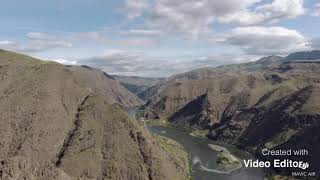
(136, 42)
(316, 11)
(195, 18)
(267, 40)
(135, 8)
(37, 41)
(97, 36)
(179, 16)
(282, 9)
(267, 13)
(5, 42)
(127, 38)
(65, 61)
(7, 45)
(40, 36)
(116, 61)
(144, 32)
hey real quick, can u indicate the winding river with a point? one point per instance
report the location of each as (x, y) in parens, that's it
(204, 158)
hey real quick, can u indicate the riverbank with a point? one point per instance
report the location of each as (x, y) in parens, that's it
(204, 158)
(177, 154)
(165, 123)
(227, 162)
(199, 133)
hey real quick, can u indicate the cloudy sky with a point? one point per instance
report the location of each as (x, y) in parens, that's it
(158, 37)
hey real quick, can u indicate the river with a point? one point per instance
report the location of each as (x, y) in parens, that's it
(204, 158)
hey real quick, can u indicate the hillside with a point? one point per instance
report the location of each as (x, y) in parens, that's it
(137, 84)
(272, 103)
(266, 64)
(304, 55)
(291, 121)
(61, 122)
(182, 88)
(167, 97)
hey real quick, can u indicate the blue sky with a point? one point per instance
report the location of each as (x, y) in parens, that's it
(158, 37)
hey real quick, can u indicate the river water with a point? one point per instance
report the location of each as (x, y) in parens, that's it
(204, 158)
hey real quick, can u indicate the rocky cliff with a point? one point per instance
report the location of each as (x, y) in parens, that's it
(273, 103)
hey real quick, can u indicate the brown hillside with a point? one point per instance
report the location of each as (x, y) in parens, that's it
(65, 123)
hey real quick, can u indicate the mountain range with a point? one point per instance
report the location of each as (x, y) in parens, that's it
(270, 103)
(137, 85)
(68, 122)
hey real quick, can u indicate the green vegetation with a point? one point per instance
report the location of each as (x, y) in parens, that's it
(225, 160)
(139, 113)
(157, 122)
(280, 138)
(199, 133)
(190, 167)
(165, 123)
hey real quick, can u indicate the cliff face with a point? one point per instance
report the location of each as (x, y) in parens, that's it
(257, 125)
(231, 88)
(272, 103)
(290, 122)
(217, 97)
(197, 113)
(62, 122)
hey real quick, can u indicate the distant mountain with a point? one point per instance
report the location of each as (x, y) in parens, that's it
(227, 83)
(270, 60)
(137, 84)
(262, 65)
(67, 122)
(272, 103)
(304, 55)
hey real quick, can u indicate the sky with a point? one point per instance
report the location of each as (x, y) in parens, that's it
(158, 38)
